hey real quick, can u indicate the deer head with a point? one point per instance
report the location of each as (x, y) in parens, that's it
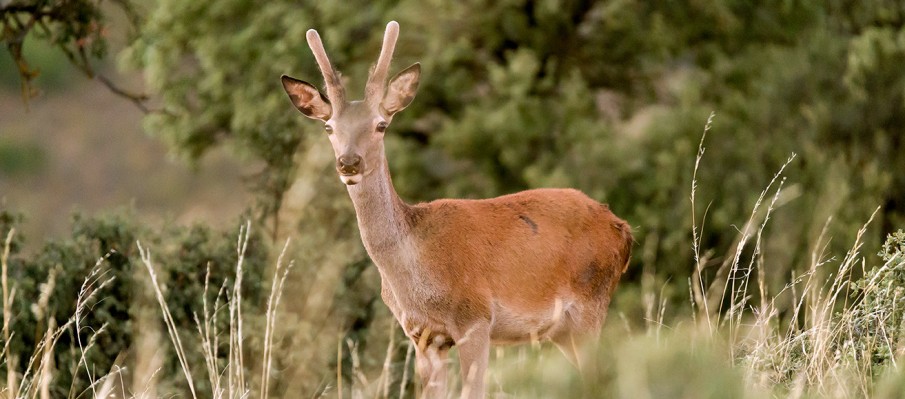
(356, 128)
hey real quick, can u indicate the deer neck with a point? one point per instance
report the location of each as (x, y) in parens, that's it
(380, 213)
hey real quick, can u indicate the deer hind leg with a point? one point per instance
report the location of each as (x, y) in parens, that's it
(474, 353)
(430, 363)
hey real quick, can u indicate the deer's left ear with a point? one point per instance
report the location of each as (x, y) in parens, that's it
(401, 90)
(307, 98)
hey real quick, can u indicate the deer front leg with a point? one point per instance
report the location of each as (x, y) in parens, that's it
(430, 363)
(474, 352)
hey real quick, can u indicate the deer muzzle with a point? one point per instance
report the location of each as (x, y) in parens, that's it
(349, 168)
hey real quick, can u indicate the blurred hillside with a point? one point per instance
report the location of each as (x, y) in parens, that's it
(81, 148)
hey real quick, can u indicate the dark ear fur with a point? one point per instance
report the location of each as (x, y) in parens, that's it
(401, 90)
(307, 98)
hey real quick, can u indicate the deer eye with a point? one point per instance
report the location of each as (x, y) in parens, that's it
(328, 129)
(381, 127)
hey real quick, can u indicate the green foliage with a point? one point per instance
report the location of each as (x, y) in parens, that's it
(214, 88)
(53, 68)
(197, 249)
(17, 159)
(677, 364)
(892, 385)
(612, 103)
(77, 29)
(8, 221)
(894, 248)
(879, 314)
(108, 243)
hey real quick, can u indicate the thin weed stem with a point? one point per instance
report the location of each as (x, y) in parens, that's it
(7, 313)
(168, 320)
(698, 286)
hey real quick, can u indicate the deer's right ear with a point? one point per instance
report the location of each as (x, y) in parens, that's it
(307, 98)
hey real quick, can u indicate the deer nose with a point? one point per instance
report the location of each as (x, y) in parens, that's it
(349, 164)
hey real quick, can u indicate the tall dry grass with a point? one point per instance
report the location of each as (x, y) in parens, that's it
(34, 381)
(232, 381)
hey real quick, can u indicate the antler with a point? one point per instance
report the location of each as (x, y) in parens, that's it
(335, 90)
(378, 77)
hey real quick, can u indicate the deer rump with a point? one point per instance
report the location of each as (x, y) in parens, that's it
(509, 261)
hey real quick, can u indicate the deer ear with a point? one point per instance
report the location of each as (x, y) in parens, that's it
(402, 89)
(307, 99)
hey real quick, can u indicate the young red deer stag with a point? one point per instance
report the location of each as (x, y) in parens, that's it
(536, 265)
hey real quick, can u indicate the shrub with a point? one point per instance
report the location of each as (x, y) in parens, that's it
(108, 243)
(878, 316)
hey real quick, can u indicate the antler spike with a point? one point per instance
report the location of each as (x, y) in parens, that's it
(377, 79)
(335, 89)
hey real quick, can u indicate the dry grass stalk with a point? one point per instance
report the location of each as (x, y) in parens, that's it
(45, 372)
(92, 285)
(236, 369)
(735, 284)
(273, 302)
(697, 285)
(7, 314)
(405, 369)
(818, 351)
(210, 337)
(168, 319)
(35, 381)
(383, 384)
(339, 366)
(236, 385)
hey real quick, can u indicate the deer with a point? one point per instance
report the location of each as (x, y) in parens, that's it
(536, 265)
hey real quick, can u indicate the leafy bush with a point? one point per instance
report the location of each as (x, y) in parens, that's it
(682, 363)
(108, 243)
(878, 316)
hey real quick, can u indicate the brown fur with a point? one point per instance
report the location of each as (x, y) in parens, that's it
(490, 260)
